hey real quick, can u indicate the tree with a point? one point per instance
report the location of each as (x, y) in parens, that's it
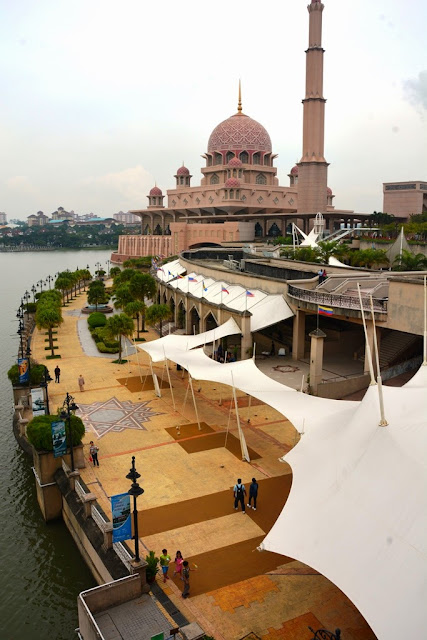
(122, 296)
(114, 271)
(407, 261)
(379, 218)
(118, 326)
(39, 431)
(158, 313)
(142, 286)
(328, 249)
(135, 309)
(64, 283)
(123, 276)
(96, 293)
(48, 316)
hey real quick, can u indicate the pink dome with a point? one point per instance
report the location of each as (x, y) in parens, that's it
(294, 171)
(232, 182)
(329, 191)
(155, 191)
(238, 133)
(183, 171)
(235, 162)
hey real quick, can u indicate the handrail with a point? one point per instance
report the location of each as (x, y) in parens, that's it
(336, 300)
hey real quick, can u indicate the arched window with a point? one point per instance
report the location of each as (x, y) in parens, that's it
(209, 161)
(218, 158)
(274, 231)
(226, 195)
(267, 160)
(229, 156)
(240, 173)
(260, 179)
(215, 178)
(258, 230)
(234, 173)
(181, 180)
(256, 158)
(231, 194)
(244, 157)
(158, 230)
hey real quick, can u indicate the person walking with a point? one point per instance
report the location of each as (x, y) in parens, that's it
(164, 563)
(179, 561)
(93, 450)
(239, 494)
(81, 382)
(186, 577)
(57, 373)
(253, 494)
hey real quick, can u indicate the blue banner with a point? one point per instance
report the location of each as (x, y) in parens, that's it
(59, 439)
(122, 527)
(24, 370)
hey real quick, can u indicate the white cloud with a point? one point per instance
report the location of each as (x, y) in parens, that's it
(416, 90)
(129, 186)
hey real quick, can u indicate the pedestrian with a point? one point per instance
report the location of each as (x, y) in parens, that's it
(239, 494)
(164, 563)
(324, 275)
(253, 493)
(81, 382)
(320, 274)
(186, 577)
(57, 373)
(93, 450)
(179, 560)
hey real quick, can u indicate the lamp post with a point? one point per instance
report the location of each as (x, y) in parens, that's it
(108, 268)
(40, 284)
(135, 491)
(46, 379)
(21, 329)
(49, 279)
(34, 289)
(68, 406)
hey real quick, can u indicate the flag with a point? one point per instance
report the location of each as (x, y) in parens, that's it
(325, 311)
(250, 294)
(180, 277)
(160, 269)
(224, 290)
(169, 273)
(203, 285)
(190, 279)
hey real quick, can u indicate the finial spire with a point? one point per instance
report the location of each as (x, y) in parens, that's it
(239, 104)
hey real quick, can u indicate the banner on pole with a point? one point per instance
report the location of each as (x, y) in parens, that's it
(59, 439)
(37, 401)
(120, 508)
(24, 370)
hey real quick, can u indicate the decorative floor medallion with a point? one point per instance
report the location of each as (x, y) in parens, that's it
(283, 368)
(114, 415)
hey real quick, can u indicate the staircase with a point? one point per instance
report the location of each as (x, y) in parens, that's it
(394, 346)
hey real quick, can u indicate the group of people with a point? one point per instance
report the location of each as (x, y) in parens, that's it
(322, 275)
(182, 568)
(239, 491)
(224, 356)
(80, 379)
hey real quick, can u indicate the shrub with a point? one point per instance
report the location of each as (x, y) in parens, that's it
(102, 348)
(36, 373)
(39, 431)
(31, 307)
(96, 319)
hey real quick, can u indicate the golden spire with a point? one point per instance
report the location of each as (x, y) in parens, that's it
(239, 104)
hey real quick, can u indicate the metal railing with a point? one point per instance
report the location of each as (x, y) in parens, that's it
(79, 490)
(98, 518)
(337, 300)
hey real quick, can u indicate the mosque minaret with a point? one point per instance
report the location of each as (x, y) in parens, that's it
(313, 168)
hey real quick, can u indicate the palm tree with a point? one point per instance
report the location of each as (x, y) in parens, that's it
(123, 276)
(96, 293)
(328, 249)
(122, 296)
(407, 261)
(117, 326)
(62, 284)
(142, 286)
(135, 310)
(48, 316)
(158, 313)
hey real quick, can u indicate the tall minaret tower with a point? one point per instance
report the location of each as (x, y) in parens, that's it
(313, 168)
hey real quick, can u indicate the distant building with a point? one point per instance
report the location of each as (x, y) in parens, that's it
(37, 220)
(405, 198)
(61, 214)
(126, 218)
(3, 218)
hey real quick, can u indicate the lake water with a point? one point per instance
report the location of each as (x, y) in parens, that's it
(42, 571)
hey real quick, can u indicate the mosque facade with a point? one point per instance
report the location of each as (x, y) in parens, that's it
(239, 198)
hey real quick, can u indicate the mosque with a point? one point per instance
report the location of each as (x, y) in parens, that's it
(239, 197)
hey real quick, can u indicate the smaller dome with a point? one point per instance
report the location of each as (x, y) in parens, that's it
(183, 171)
(232, 182)
(155, 191)
(329, 191)
(294, 171)
(235, 162)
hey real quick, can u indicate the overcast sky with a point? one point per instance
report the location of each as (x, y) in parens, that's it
(101, 98)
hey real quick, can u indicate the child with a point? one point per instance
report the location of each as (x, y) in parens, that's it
(164, 563)
(178, 564)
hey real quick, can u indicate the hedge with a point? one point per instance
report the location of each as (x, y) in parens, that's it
(36, 373)
(39, 431)
(96, 319)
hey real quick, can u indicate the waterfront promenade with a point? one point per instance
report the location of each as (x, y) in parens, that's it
(187, 476)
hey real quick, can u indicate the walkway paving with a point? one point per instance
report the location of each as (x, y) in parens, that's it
(187, 476)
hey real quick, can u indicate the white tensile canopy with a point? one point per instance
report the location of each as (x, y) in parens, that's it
(357, 509)
(266, 309)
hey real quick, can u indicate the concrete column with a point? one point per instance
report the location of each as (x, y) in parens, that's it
(298, 336)
(140, 568)
(246, 340)
(331, 225)
(188, 327)
(108, 536)
(316, 358)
